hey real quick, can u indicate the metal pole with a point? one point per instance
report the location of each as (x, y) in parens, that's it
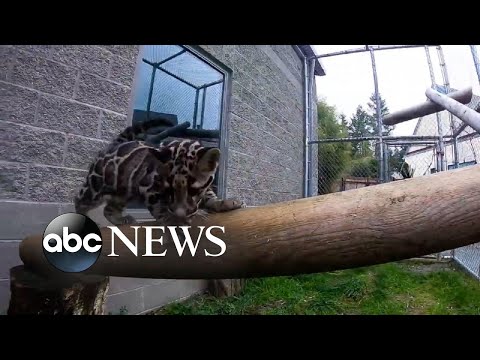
(460, 129)
(368, 138)
(169, 73)
(461, 111)
(440, 153)
(412, 143)
(306, 138)
(364, 49)
(473, 49)
(460, 138)
(195, 109)
(455, 154)
(379, 118)
(426, 108)
(439, 156)
(387, 163)
(150, 93)
(202, 114)
(446, 83)
(310, 124)
(171, 57)
(211, 84)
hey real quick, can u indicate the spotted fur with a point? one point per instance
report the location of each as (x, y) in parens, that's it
(173, 180)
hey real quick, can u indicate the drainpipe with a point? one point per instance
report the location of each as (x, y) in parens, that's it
(306, 169)
(312, 120)
(306, 123)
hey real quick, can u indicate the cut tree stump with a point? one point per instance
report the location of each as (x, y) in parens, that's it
(35, 295)
(225, 287)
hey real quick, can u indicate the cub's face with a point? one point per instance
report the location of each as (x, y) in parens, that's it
(192, 173)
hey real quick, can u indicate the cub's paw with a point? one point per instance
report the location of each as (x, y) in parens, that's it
(128, 220)
(232, 204)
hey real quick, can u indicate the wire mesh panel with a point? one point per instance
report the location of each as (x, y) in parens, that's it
(412, 160)
(469, 258)
(175, 83)
(346, 165)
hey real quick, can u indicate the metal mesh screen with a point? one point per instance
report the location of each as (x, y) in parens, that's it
(345, 165)
(469, 258)
(173, 81)
(420, 160)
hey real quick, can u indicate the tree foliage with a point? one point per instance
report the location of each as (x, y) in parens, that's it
(356, 159)
(333, 158)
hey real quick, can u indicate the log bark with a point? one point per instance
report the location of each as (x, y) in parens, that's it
(35, 295)
(367, 226)
(426, 108)
(225, 287)
(464, 113)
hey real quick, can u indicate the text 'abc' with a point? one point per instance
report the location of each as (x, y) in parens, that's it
(92, 243)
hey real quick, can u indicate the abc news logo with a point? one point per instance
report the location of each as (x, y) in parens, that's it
(73, 242)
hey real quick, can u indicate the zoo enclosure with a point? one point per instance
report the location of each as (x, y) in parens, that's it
(440, 142)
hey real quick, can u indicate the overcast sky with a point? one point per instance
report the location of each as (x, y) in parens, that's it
(403, 77)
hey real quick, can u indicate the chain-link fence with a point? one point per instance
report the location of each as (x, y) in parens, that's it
(346, 165)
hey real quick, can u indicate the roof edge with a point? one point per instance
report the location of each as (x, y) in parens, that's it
(308, 51)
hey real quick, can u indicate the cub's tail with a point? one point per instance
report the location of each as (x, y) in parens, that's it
(134, 132)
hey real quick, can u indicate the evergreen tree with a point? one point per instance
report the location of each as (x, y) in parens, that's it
(360, 126)
(372, 111)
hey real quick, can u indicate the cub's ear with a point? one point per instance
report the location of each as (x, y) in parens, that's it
(162, 154)
(208, 159)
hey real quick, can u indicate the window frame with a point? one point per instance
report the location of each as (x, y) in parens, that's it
(224, 123)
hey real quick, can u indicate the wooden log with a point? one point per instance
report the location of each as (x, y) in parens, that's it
(32, 294)
(426, 108)
(464, 113)
(367, 226)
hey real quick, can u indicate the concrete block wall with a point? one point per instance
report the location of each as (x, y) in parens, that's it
(60, 104)
(265, 154)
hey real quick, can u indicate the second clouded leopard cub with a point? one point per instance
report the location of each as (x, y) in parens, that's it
(174, 180)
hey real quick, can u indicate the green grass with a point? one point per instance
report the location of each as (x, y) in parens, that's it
(394, 288)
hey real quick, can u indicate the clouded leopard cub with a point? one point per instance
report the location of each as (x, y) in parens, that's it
(174, 180)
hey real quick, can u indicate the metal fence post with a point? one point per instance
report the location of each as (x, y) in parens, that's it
(441, 147)
(476, 62)
(381, 175)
